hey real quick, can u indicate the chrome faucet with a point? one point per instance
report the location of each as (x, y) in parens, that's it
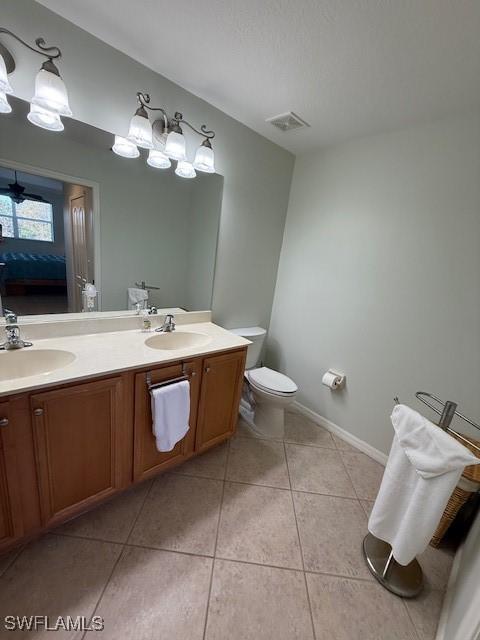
(12, 330)
(169, 325)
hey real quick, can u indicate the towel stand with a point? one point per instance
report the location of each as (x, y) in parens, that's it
(146, 287)
(407, 581)
(447, 413)
(155, 385)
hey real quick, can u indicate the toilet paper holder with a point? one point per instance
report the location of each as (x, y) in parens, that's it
(334, 380)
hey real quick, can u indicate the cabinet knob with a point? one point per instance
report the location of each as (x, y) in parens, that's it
(3, 422)
(207, 369)
(38, 412)
(193, 374)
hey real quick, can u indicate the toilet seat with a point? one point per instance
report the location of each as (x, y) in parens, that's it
(270, 381)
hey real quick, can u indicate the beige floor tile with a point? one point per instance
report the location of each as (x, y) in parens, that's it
(258, 462)
(366, 473)
(300, 430)
(257, 524)
(111, 521)
(425, 612)
(210, 464)
(331, 534)
(319, 470)
(342, 444)
(180, 514)
(367, 506)
(244, 431)
(257, 603)
(57, 576)
(6, 559)
(436, 563)
(345, 609)
(155, 594)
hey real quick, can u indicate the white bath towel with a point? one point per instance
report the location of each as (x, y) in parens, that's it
(423, 468)
(170, 414)
(135, 296)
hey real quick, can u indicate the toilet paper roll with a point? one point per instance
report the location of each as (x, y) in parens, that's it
(332, 380)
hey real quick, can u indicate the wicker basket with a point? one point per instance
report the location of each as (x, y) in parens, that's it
(459, 497)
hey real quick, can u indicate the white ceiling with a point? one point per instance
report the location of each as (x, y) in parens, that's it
(348, 67)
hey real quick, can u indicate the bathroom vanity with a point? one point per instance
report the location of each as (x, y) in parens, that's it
(73, 437)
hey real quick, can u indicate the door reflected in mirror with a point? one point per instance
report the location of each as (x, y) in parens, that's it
(74, 214)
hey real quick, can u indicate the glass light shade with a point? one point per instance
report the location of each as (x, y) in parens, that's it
(125, 148)
(204, 159)
(51, 93)
(140, 132)
(4, 104)
(159, 141)
(158, 159)
(175, 146)
(4, 83)
(45, 118)
(185, 169)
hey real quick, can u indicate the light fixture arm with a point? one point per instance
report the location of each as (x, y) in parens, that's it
(203, 129)
(144, 100)
(52, 53)
(173, 124)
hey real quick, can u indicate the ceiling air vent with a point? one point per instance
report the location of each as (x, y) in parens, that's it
(287, 121)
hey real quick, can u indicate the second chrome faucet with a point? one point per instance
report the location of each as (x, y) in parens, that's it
(12, 331)
(168, 325)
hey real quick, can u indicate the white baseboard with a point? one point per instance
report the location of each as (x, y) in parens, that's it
(361, 445)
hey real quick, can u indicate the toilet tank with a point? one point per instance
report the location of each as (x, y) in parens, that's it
(256, 335)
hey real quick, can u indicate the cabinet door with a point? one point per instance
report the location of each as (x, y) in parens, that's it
(147, 459)
(10, 512)
(78, 440)
(222, 380)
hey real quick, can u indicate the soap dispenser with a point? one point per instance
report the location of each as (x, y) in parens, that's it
(146, 322)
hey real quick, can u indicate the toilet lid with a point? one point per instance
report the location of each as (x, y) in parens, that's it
(272, 381)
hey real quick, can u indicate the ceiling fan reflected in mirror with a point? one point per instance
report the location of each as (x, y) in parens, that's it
(16, 192)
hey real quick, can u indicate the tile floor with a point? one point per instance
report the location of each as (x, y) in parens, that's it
(254, 540)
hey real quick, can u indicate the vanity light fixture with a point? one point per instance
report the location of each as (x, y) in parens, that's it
(185, 169)
(158, 159)
(140, 130)
(4, 87)
(50, 100)
(204, 158)
(125, 148)
(165, 141)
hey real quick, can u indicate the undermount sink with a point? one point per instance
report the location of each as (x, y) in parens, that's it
(177, 340)
(21, 363)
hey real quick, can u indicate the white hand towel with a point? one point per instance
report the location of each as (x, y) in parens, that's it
(423, 468)
(135, 296)
(170, 414)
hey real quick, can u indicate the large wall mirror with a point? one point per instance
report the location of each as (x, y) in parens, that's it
(72, 212)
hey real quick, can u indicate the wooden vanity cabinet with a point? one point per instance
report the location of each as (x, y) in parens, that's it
(10, 508)
(64, 450)
(79, 434)
(222, 380)
(147, 460)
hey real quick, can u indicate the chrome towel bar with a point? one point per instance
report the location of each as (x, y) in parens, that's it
(163, 383)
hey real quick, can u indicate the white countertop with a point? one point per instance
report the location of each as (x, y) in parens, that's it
(105, 353)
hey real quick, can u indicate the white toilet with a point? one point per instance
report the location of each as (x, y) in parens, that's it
(266, 392)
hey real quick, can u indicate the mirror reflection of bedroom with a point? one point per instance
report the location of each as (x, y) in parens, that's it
(46, 240)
